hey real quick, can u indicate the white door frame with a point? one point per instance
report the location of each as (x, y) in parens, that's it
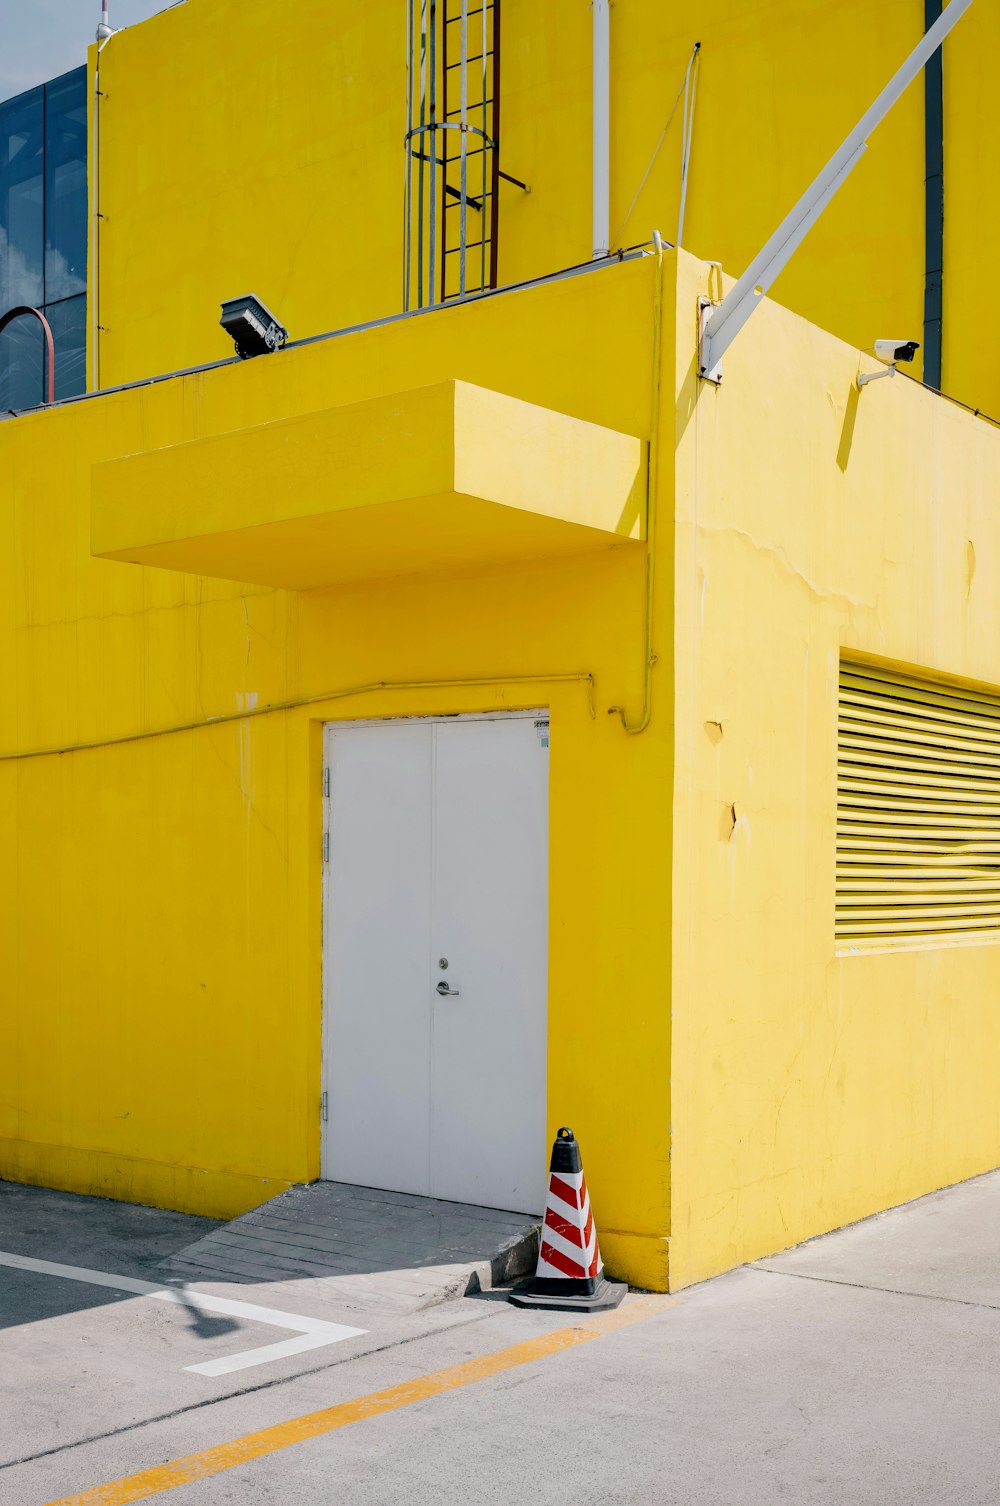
(538, 713)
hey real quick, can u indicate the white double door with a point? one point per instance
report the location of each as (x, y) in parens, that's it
(435, 958)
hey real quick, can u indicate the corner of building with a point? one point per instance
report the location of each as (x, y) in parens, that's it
(814, 520)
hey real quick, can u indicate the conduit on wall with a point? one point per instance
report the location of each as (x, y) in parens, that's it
(652, 484)
(296, 703)
(602, 126)
(104, 35)
(933, 204)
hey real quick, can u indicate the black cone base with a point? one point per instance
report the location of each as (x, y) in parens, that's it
(608, 1294)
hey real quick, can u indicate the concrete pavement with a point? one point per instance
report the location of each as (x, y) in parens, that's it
(368, 1249)
(862, 1367)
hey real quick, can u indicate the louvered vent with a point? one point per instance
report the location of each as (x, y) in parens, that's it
(918, 811)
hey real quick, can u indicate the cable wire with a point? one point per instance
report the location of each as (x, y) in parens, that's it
(659, 144)
(690, 91)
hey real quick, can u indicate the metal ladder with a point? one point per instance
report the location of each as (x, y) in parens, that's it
(470, 39)
(452, 150)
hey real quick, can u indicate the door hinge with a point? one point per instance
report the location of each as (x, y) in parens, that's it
(326, 784)
(324, 1106)
(326, 847)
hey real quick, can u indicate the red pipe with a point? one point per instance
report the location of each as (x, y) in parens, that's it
(50, 349)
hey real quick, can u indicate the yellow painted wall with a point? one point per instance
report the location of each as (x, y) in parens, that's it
(810, 1089)
(242, 150)
(245, 150)
(160, 897)
(779, 87)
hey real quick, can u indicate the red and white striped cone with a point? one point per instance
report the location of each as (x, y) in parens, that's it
(569, 1275)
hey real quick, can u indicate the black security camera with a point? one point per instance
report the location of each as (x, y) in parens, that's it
(254, 328)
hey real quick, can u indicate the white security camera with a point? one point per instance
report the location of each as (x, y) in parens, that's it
(889, 352)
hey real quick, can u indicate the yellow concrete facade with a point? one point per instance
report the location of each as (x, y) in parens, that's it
(672, 568)
(446, 476)
(168, 939)
(292, 184)
(812, 520)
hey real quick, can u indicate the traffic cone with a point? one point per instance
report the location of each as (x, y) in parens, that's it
(569, 1275)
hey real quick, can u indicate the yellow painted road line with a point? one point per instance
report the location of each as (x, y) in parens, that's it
(212, 1461)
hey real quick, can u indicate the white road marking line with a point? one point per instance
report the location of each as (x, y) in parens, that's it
(268, 1352)
(312, 1332)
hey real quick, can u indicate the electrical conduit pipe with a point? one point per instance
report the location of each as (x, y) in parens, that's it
(50, 352)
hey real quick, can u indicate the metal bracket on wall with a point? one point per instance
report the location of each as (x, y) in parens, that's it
(706, 307)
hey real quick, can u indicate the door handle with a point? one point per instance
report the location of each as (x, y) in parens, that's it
(446, 990)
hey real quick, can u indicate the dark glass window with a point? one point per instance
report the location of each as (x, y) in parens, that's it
(22, 200)
(43, 236)
(66, 187)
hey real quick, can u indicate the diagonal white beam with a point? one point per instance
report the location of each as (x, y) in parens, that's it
(725, 322)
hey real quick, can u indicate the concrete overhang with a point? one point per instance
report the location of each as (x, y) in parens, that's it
(441, 477)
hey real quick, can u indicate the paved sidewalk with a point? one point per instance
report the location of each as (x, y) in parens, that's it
(944, 1247)
(860, 1369)
(93, 1231)
(366, 1249)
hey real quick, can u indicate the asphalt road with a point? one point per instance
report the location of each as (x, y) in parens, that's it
(862, 1367)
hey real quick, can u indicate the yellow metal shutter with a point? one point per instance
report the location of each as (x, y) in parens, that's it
(918, 811)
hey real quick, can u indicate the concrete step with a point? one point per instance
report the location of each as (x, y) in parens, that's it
(364, 1248)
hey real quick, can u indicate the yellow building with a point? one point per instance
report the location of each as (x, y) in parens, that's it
(428, 733)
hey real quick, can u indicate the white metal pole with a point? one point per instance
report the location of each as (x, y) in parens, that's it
(602, 126)
(464, 147)
(104, 32)
(726, 321)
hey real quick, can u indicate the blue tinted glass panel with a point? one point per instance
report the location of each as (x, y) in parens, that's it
(66, 186)
(69, 335)
(21, 355)
(21, 199)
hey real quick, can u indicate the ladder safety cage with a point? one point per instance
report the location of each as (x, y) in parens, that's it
(452, 150)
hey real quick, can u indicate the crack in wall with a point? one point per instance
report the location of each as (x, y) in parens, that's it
(778, 555)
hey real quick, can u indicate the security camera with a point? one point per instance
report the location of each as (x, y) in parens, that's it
(889, 351)
(254, 328)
